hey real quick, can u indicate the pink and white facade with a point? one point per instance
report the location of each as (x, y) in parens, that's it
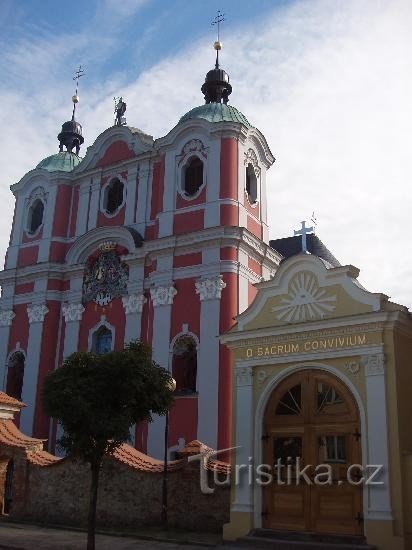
(190, 258)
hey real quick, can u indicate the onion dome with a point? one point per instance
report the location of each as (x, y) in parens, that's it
(217, 112)
(60, 162)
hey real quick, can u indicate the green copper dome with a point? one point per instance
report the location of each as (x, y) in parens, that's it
(60, 162)
(217, 112)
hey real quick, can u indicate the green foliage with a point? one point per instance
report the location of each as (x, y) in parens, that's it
(97, 398)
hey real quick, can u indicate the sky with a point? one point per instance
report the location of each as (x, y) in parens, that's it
(328, 82)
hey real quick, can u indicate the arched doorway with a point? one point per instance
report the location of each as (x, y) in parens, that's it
(312, 424)
(6, 480)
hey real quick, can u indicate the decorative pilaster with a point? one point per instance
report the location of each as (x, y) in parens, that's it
(37, 313)
(377, 435)
(162, 298)
(72, 312)
(210, 289)
(210, 292)
(244, 435)
(6, 320)
(163, 295)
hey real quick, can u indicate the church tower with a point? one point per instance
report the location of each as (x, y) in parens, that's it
(159, 239)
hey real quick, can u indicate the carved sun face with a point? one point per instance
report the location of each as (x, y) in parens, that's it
(305, 300)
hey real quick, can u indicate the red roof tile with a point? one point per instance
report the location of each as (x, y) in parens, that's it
(135, 459)
(11, 435)
(42, 458)
(9, 400)
(196, 447)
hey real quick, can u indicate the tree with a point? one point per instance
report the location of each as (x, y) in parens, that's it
(97, 398)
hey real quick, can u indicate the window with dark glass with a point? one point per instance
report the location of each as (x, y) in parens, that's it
(36, 212)
(102, 341)
(184, 364)
(114, 196)
(193, 176)
(251, 184)
(15, 375)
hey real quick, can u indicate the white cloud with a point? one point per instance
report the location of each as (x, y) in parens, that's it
(327, 82)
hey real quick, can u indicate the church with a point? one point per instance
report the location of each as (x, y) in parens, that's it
(276, 348)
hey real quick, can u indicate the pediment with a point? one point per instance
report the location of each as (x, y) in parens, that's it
(305, 289)
(114, 145)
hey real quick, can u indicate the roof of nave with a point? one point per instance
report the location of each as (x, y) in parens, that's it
(290, 246)
(60, 162)
(217, 112)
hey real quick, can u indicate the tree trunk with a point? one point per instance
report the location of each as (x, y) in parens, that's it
(91, 525)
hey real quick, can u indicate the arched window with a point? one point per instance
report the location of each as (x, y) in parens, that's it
(193, 176)
(184, 364)
(35, 216)
(251, 184)
(113, 196)
(15, 375)
(102, 341)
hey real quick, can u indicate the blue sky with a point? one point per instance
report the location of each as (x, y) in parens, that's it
(328, 82)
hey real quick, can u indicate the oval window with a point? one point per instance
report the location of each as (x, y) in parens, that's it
(193, 176)
(113, 196)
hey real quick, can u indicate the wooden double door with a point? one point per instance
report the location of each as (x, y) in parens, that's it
(312, 439)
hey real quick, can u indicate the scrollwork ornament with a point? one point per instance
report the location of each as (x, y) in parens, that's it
(37, 313)
(210, 289)
(163, 295)
(72, 312)
(6, 317)
(133, 303)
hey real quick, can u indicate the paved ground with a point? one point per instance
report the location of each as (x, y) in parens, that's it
(28, 537)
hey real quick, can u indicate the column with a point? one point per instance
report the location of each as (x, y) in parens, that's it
(162, 298)
(133, 307)
(6, 319)
(377, 421)
(210, 291)
(83, 208)
(144, 196)
(36, 314)
(243, 501)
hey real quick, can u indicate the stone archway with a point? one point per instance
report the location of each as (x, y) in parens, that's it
(6, 480)
(311, 424)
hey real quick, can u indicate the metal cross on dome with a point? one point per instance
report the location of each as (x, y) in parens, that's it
(304, 231)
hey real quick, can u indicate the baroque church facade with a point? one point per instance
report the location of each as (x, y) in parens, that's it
(159, 239)
(276, 348)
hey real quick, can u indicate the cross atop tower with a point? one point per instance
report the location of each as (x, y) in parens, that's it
(220, 17)
(304, 231)
(79, 73)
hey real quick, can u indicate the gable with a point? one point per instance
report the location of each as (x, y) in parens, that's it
(306, 289)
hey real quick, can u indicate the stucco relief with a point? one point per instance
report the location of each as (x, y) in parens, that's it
(163, 295)
(305, 300)
(251, 158)
(37, 313)
(133, 303)
(6, 317)
(374, 365)
(210, 289)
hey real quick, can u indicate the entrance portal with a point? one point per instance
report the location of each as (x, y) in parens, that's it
(312, 420)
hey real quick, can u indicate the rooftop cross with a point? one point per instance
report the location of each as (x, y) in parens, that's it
(220, 17)
(79, 73)
(304, 231)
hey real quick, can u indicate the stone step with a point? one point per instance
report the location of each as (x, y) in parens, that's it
(274, 540)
